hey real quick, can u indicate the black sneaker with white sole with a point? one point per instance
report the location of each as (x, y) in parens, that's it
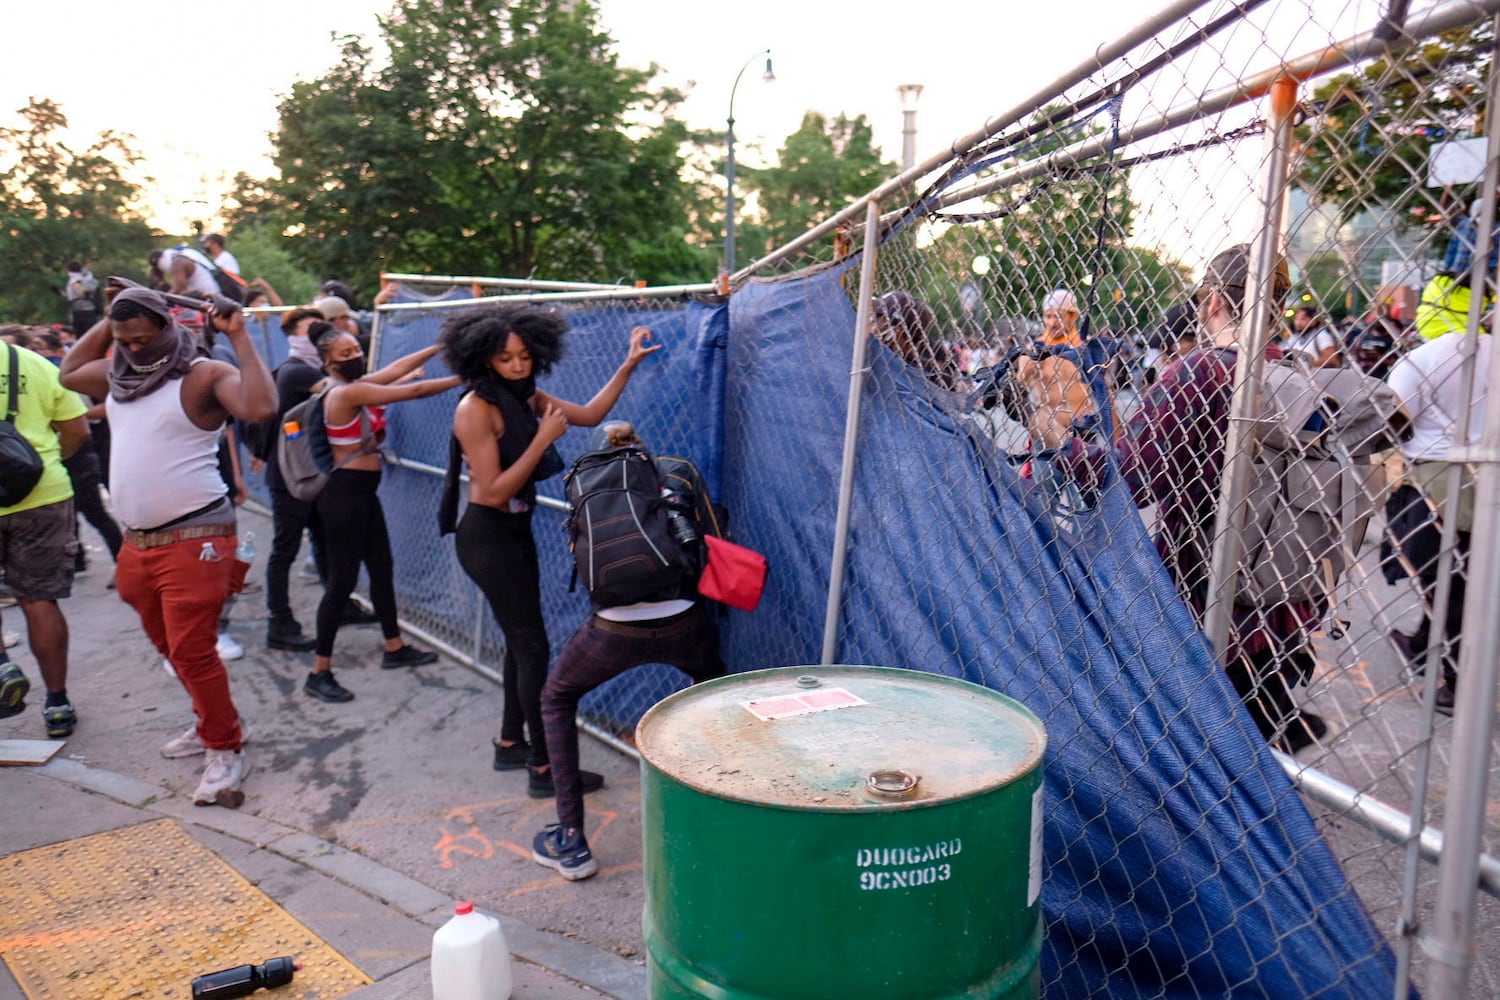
(565, 851)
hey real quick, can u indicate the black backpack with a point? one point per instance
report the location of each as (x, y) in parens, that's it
(20, 466)
(621, 530)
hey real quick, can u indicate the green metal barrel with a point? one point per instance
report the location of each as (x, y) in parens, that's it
(841, 832)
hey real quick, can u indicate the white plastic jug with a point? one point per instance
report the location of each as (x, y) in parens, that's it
(470, 960)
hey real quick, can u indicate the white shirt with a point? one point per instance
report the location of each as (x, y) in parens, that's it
(226, 262)
(161, 464)
(1429, 381)
(1312, 342)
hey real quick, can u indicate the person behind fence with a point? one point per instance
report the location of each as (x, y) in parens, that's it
(354, 528)
(1429, 382)
(505, 428)
(168, 403)
(1313, 340)
(678, 631)
(38, 534)
(1171, 453)
(905, 324)
(1060, 316)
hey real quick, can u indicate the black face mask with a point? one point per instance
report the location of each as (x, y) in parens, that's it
(351, 370)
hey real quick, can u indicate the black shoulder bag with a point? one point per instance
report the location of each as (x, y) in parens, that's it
(20, 465)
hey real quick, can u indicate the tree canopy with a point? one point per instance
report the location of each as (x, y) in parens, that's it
(821, 168)
(1367, 144)
(502, 137)
(57, 204)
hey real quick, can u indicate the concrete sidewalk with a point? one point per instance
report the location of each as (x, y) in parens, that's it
(365, 821)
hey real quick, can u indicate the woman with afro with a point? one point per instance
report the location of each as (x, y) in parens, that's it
(504, 427)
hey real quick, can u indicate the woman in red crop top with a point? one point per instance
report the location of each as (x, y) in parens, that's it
(349, 508)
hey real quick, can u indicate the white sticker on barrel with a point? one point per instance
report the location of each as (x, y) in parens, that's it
(802, 703)
(1034, 886)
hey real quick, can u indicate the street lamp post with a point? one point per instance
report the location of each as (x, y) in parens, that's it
(729, 161)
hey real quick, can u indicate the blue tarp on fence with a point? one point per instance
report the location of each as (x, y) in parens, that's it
(1180, 861)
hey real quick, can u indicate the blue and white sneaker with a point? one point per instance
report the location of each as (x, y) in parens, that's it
(565, 851)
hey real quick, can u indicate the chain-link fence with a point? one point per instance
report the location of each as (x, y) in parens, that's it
(1067, 462)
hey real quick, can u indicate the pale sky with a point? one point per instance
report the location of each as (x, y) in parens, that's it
(197, 83)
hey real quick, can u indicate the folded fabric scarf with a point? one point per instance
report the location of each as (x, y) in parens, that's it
(304, 351)
(170, 355)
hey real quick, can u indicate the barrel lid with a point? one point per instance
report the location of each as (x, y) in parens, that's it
(841, 737)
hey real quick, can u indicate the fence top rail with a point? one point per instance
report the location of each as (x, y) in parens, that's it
(1340, 55)
(493, 282)
(596, 295)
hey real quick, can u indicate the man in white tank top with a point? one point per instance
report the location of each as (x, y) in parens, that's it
(167, 403)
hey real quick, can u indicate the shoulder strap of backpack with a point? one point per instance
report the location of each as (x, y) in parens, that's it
(13, 406)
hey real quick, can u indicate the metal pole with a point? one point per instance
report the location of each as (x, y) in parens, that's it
(729, 163)
(857, 373)
(1377, 817)
(1244, 404)
(466, 279)
(1450, 942)
(609, 294)
(909, 92)
(1438, 614)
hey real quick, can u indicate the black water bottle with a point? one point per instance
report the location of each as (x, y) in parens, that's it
(244, 980)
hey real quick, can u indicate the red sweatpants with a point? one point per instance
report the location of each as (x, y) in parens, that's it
(179, 591)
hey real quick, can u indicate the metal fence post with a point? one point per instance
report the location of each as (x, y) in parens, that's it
(1450, 944)
(1244, 407)
(857, 373)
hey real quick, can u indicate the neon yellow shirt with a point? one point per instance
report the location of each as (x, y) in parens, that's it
(1444, 307)
(40, 400)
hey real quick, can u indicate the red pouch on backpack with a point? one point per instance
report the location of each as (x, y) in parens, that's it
(735, 575)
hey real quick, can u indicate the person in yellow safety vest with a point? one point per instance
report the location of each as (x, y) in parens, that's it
(1444, 306)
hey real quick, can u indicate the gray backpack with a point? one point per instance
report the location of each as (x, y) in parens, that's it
(1314, 487)
(304, 456)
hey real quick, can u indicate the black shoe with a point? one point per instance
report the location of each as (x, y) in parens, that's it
(513, 757)
(539, 783)
(407, 656)
(324, 688)
(287, 634)
(1304, 729)
(1406, 646)
(1443, 704)
(356, 615)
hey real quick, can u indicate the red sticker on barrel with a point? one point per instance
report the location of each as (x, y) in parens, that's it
(786, 706)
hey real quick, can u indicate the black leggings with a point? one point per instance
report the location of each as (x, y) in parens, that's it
(498, 552)
(354, 533)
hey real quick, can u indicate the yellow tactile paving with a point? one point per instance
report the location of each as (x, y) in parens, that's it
(137, 913)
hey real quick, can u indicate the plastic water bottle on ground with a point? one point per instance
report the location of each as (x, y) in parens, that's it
(470, 960)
